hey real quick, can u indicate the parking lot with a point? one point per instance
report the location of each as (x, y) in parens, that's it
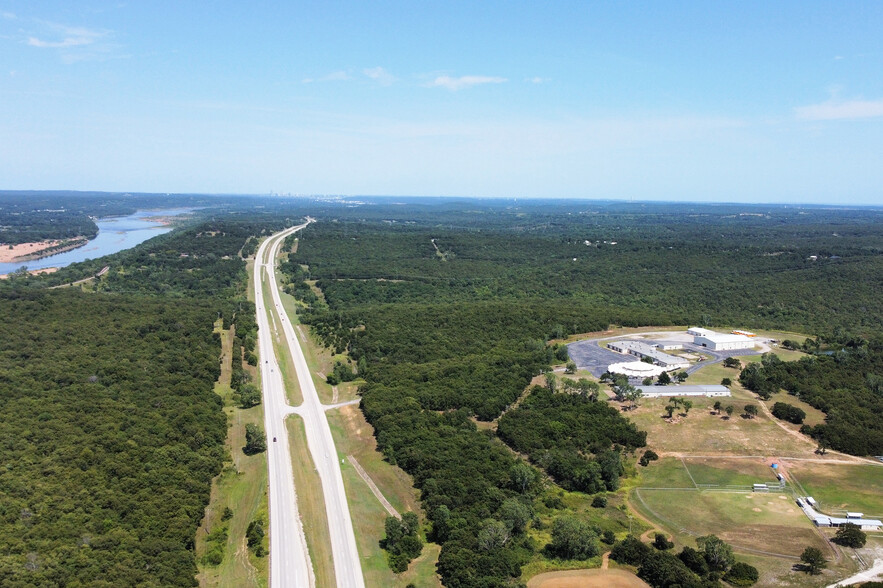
(589, 356)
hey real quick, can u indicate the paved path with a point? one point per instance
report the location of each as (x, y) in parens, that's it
(347, 566)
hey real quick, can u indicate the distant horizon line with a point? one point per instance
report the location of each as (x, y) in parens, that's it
(316, 196)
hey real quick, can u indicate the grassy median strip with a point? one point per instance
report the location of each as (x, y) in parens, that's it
(280, 345)
(311, 503)
(319, 359)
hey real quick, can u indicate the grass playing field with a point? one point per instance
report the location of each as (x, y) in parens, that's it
(761, 523)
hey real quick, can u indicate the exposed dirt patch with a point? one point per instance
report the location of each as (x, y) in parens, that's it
(47, 270)
(22, 251)
(587, 579)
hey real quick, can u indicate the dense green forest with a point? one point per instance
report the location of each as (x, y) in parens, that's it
(111, 431)
(559, 430)
(110, 438)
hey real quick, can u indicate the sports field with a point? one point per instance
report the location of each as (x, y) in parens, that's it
(766, 523)
(729, 471)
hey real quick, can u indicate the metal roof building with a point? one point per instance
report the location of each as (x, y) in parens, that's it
(699, 331)
(641, 349)
(823, 520)
(723, 342)
(690, 390)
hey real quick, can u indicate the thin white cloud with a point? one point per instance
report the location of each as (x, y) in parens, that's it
(8, 15)
(841, 110)
(379, 75)
(536, 80)
(75, 43)
(66, 36)
(454, 84)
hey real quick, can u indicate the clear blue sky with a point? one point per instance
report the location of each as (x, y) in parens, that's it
(718, 101)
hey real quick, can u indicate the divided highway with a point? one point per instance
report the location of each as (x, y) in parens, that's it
(289, 561)
(289, 558)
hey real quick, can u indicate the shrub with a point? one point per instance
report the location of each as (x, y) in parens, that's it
(661, 542)
(788, 412)
(742, 574)
(255, 533)
(599, 501)
(631, 551)
(648, 456)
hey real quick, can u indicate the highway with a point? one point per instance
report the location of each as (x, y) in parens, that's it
(347, 566)
(289, 559)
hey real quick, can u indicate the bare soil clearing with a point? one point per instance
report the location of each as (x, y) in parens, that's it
(587, 579)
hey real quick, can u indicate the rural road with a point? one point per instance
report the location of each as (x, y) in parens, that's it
(289, 558)
(347, 566)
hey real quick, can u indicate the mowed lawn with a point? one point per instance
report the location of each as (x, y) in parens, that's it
(722, 471)
(753, 522)
(715, 372)
(690, 472)
(668, 472)
(839, 488)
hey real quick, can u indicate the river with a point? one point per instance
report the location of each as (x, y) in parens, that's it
(115, 234)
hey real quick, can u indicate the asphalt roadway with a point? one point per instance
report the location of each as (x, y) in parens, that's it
(285, 553)
(289, 558)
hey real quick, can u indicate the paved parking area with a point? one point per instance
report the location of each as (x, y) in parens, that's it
(588, 355)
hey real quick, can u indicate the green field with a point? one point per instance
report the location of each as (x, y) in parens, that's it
(690, 472)
(310, 502)
(838, 488)
(730, 471)
(668, 472)
(750, 522)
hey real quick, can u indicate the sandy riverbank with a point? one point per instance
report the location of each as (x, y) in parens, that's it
(14, 253)
(45, 270)
(38, 249)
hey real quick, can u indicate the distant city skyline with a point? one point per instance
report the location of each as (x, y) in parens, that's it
(724, 102)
